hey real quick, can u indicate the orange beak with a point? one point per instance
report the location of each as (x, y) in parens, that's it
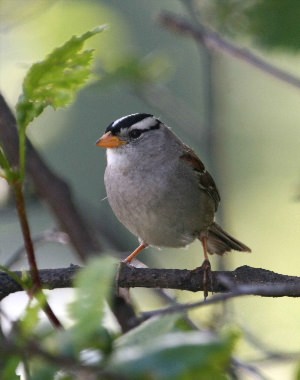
(109, 141)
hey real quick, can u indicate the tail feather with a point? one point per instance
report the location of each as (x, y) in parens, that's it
(219, 241)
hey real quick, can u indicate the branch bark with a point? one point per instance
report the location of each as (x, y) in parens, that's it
(277, 285)
(251, 281)
(50, 279)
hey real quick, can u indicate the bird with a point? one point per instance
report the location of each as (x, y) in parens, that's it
(160, 190)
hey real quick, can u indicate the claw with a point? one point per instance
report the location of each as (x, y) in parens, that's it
(206, 268)
(207, 280)
(207, 277)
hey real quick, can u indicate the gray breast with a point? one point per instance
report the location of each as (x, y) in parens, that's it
(161, 203)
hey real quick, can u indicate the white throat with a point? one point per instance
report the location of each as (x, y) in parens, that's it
(116, 157)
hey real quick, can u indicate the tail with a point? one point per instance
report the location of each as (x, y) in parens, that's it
(219, 241)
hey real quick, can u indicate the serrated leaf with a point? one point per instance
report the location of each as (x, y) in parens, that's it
(56, 80)
(175, 356)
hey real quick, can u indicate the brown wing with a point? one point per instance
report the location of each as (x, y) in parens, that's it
(206, 181)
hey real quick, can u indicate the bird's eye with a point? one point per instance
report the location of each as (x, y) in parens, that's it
(135, 133)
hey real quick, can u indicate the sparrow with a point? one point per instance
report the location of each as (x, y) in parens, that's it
(160, 190)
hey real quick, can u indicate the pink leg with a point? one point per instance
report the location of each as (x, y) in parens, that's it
(204, 244)
(135, 253)
(206, 267)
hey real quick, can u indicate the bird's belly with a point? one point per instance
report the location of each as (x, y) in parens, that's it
(154, 227)
(159, 216)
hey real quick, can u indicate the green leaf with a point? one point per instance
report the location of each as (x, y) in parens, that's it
(12, 274)
(32, 315)
(45, 372)
(275, 23)
(55, 80)
(148, 330)
(8, 371)
(175, 356)
(93, 286)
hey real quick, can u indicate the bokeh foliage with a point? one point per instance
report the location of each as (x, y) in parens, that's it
(272, 24)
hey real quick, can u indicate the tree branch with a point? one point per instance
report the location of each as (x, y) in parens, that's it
(248, 280)
(276, 285)
(50, 279)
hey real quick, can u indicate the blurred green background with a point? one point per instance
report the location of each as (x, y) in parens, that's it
(142, 67)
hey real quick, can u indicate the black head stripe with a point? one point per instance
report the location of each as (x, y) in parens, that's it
(126, 122)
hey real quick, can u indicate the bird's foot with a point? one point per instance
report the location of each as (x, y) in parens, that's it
(207, 281)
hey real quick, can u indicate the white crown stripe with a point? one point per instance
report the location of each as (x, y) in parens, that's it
(119, 120)
(144, 124)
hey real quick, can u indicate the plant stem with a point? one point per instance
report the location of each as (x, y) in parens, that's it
(22, 152)
(20, 204)
(37, 285)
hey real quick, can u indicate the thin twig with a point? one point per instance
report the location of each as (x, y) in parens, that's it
(20, 204)
(37, 284)
(213, 40)
(265, 290)
(52, 235)
(251, 369)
